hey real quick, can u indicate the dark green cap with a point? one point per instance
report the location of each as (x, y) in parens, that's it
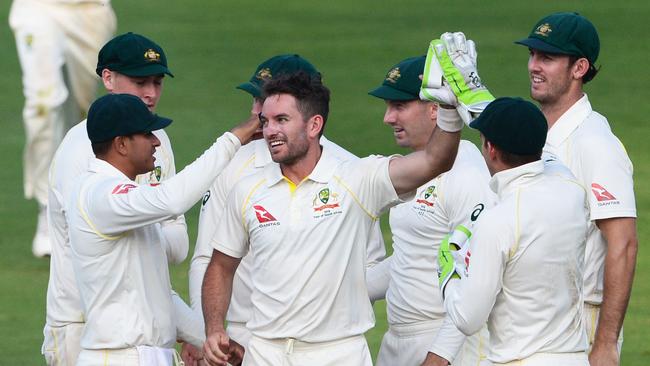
(565, 33)
(514, 125)
(132, 55)
(276, 65)
(402, 81)
(121, 115)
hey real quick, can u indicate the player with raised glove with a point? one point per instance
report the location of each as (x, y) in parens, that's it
(451, 77)
(452, 262)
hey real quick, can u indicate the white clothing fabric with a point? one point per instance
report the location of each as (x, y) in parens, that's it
(61, 344)
(57, 43)
(119, 261)
(525, 266)
(583, 141)
(309, 245)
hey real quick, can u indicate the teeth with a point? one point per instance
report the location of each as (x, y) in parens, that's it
(537, 79)
(276, 143)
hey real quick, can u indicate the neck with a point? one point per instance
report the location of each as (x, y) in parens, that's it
(120, 165)
(298, 170)
(553, 111)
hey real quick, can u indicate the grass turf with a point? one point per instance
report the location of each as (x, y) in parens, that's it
(214, 45)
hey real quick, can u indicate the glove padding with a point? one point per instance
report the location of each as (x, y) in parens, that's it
(455, 67)
(451, 256)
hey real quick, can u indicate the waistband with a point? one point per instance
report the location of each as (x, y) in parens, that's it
(592, 306)
(291, 345)
(540, 359)
(415, 328)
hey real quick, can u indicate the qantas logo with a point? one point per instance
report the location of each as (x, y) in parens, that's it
(263, 215)
(123, 188)
(601, 193)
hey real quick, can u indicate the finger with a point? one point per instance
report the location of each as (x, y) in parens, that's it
(471, 51)
(213, 354)
(448, 40)
(460, 42)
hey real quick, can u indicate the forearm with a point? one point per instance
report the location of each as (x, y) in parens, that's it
(217, 289)
(189, 326)
(378, 278)
(197, 272)
(177, 242)
(620, 263)
(448, 341)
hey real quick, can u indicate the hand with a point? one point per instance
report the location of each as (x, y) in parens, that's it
(216, 349)
(248, 130)
(434, 87)
(604, 355)
(453, 256)
(434, 360)
(191, 355)
(457, 59)
(236, 353)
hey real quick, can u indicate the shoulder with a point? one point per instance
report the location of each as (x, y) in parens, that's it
(337, 150)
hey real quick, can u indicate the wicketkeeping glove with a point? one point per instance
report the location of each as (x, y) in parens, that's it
(456, 58)
(451, 256)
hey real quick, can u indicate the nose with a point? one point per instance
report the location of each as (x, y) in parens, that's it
(389, 116)
(533, 62)
(154, 140)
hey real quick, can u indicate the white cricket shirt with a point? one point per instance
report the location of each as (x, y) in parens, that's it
(70, 161)
(119, 261)
(526, 266)
(583, 141)
(309, 245)
(248, 160)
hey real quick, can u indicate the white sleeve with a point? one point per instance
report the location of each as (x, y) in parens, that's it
(231, 235)
(176, 241)
(448, 341)
(469, 301)
(189, 326)
(378, 278)
(124, 206)
(375, 248)
(464, 194)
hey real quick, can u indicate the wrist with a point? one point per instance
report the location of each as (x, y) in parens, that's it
(449, 120)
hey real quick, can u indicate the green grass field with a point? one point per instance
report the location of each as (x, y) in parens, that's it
(214, 45)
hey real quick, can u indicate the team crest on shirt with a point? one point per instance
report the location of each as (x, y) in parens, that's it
(603, 196)
(326, 203)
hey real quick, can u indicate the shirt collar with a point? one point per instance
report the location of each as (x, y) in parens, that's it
(103, 167)
(568, 122)
(505, 181)
(262, 153)
(322, 173)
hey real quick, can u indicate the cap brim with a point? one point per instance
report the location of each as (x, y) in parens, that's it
(158, 123)
(147, 70)
(388, 93)
(251, 89)
(538, 44)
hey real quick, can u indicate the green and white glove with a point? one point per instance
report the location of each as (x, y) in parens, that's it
(452, 256)
(456, 57)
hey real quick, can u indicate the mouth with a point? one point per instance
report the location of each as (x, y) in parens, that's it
(275, 144)
(536, 79)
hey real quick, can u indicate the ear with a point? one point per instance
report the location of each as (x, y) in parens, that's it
(491, 150)
(108, 78)
(315, 125)
(579, 68)
(433, 111)
(120, 145)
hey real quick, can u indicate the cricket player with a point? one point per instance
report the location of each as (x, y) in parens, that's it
(523, 266)
(116, 240)
(564, 48)
(250, 159)
(57, 43)
(307, 220)
(414, 305)
(124, 68)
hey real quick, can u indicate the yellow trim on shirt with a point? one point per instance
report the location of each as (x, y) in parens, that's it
(514, 248)
(247, 199)
(92, 226)
(242, 169)
(356, 199)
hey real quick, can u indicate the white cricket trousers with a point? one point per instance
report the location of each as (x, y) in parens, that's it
(61, 344)
(408, 345)
(57, 45)
(551, 359)
(140, 356)
(351, 351)
(239, 333)
(590, 318)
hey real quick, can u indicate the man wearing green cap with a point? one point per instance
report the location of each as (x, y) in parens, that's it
(564, 48)
(117, 243)
(129, 63)
(416, 315)
(247, 161)
(57, 42)
(520, 268)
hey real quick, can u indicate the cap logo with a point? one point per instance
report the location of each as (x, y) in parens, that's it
(152, 56)
(544, 30)
(264, 74)
(393, 75)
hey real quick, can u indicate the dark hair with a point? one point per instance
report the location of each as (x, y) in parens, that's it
(591, 72)
(312, 97)
(101, 148)
(512, 159)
